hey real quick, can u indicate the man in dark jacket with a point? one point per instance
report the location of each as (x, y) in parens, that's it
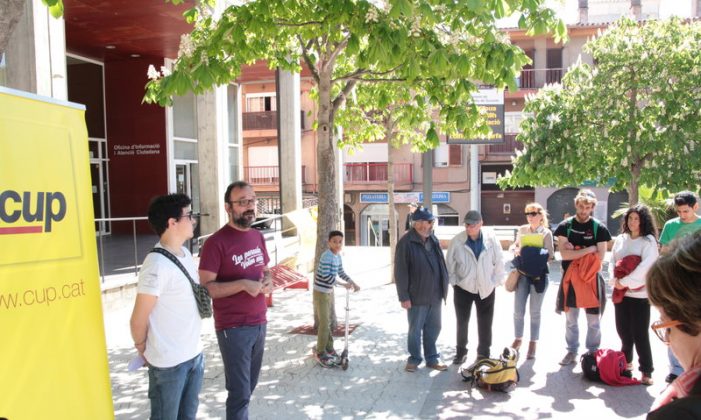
(421, 277)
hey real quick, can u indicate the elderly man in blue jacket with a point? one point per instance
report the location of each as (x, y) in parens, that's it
(421, 277)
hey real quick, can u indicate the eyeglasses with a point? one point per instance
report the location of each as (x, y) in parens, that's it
(662, 329)
(191, 216)
(532, 213)
(244, 202)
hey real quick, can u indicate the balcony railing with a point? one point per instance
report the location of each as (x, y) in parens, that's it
(267, 175)
(508, 147)
(366, 173)
(266, 120)
(537, 78)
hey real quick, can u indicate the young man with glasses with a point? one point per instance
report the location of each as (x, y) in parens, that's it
(165, 323)
(233, 267)
(582, 242)
(686, 204)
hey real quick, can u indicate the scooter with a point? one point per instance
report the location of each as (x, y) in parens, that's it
(344, 354)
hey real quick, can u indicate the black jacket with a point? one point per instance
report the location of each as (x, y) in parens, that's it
(414, 275)
(682, 408)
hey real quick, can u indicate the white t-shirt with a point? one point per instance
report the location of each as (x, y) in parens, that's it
(174, 324)
(644, 247)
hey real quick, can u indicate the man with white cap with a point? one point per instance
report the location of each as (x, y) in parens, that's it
(475, 266)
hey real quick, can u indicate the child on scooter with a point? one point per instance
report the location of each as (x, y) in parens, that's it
(325, 278)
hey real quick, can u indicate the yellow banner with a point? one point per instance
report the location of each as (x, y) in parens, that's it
(53, 357)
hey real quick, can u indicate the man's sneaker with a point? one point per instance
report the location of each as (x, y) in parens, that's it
(568, 359)
(670, 378)
(438, 365)
(459, 359)
(336, 357)
(326, 361)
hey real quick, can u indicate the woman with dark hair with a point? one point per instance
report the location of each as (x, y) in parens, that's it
(634, 252)
(674, 288)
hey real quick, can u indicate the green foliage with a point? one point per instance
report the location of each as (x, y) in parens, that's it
(436, 48)
(55, 7)
(662, 209)
(633, 118)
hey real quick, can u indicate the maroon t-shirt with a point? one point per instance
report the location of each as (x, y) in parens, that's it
(236, 255)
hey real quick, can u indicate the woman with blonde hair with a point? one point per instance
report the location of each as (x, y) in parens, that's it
(674, 288)
(535, 234)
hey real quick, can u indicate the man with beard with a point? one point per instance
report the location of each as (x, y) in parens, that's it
(582, 244)
(233, 267)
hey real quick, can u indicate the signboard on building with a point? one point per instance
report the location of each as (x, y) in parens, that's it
(409, 197)
(54, 356)
(490, 103)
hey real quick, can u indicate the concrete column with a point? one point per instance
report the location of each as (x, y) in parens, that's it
(540, 60)
(36, 56)
(213, 156)
(289, 140)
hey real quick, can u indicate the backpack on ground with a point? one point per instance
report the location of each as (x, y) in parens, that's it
(493, 374)
(607, 366)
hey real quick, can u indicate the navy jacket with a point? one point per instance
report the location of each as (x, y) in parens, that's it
(415, 277)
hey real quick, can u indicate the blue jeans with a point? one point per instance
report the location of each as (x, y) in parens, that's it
(572, 333)
(523, 290)
(174, 391)
(242, 353)
(674, 367)
(424, 320)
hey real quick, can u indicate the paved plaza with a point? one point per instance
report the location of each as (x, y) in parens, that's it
(375, 385)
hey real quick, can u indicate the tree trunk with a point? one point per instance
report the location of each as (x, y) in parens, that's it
(633, 193)
(327, 173)
(392, 210)
(326, 169)
(11, 12)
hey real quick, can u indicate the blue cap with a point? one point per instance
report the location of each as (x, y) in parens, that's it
(422, 214)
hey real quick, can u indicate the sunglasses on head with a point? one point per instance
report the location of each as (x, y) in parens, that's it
(532, 213)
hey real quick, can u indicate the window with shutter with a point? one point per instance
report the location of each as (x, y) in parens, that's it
(455, 155)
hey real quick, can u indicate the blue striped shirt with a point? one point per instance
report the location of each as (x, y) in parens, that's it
(330, 266)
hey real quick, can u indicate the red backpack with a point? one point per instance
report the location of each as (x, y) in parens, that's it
(610, 365)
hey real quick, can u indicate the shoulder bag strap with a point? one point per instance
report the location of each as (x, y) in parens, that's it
(177, 262)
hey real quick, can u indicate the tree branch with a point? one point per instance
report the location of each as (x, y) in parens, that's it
(338, 48)
(307, 58)
(338, 101)
(378, 80)
(292, 24)
(354, 75)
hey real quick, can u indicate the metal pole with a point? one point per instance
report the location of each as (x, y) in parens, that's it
(136, 261)
(428, 179)
(474, 178)
(102, 251)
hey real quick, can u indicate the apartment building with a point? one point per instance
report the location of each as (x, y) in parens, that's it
(99, 53)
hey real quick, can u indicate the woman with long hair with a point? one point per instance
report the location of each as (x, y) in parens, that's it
(534, 287)
(634, 252)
